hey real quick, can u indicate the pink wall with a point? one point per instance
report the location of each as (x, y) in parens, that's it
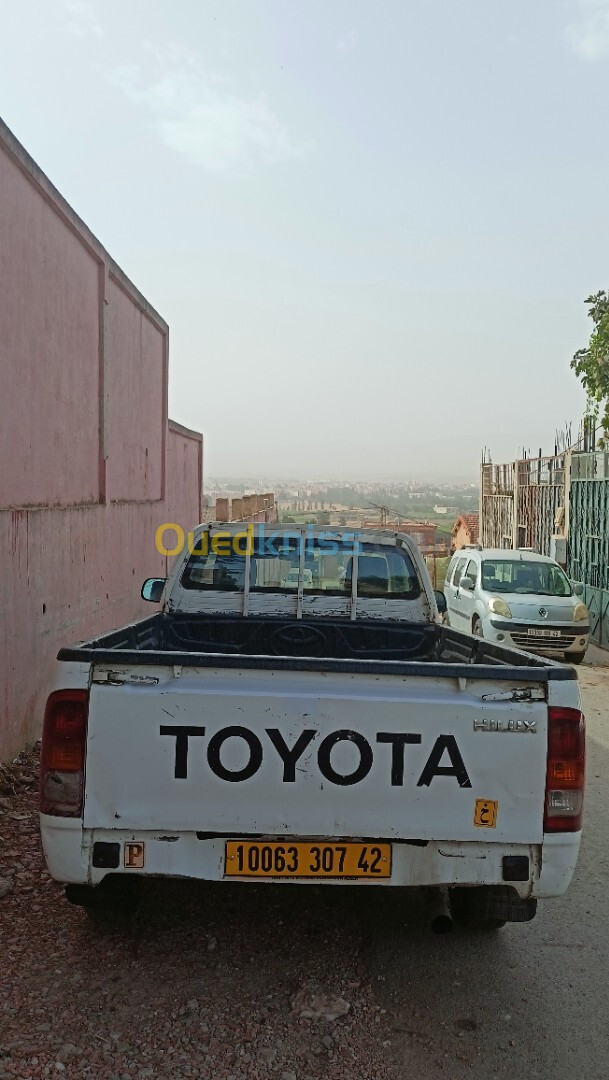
(137, 404)
(90, 465)
(49, 339)
(184, 463)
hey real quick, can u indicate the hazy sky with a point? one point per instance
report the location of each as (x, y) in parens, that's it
(371, 227)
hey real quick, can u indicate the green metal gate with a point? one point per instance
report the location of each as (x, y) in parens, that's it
(588, 551)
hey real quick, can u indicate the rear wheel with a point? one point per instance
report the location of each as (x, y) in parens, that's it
(112, 903)
(487, 908)
(467, 909)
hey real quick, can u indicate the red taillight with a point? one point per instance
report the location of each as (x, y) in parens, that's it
(62, 759)
(565, 771)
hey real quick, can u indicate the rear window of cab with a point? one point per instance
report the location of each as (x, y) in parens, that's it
(383, 570)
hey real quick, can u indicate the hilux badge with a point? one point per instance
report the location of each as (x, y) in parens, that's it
(519, 726)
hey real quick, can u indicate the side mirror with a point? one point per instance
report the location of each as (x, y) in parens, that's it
(467, 584)
(578, 588)
(440, 601)
(152, 589)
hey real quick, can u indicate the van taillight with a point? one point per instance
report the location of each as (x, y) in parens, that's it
(565, 772)
(62, 759)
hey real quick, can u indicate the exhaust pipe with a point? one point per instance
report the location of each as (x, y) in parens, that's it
(438, 911)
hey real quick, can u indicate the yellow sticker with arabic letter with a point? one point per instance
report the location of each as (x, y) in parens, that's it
(485, 813)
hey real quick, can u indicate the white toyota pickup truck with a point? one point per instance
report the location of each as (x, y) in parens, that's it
(332, 734)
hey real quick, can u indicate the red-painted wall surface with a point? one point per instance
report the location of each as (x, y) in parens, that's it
(90, 465)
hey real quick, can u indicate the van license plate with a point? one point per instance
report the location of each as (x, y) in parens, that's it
(543, 633)
(306, 860)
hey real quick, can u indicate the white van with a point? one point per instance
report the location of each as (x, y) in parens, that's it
(292, 578)
(518, 598)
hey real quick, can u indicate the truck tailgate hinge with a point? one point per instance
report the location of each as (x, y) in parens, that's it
(526, 693)
(121, 678)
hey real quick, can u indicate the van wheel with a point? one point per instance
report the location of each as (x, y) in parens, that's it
(574, 657)
(477, 627)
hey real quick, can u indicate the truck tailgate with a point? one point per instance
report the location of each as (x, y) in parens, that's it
(274, 753)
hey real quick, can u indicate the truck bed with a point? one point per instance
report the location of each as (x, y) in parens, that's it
(332, 645)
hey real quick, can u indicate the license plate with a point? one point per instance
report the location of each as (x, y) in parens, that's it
(306, 860)
(543, 633)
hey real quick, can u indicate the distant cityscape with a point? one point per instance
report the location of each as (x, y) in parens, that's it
(352, 503)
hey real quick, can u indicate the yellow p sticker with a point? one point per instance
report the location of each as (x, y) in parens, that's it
(485, 813)
(134, 856)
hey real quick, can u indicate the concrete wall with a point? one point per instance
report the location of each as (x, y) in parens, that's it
(257, 508)
(90, 465)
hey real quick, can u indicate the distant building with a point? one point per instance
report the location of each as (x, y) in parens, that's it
(465, 531)
(256, 508)
(424, 533)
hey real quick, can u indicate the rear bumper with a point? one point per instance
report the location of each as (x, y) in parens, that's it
(68, 850)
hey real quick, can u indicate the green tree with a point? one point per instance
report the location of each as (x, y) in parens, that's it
(591, 365)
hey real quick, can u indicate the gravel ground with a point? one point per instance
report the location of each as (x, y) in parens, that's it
(207, 981)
